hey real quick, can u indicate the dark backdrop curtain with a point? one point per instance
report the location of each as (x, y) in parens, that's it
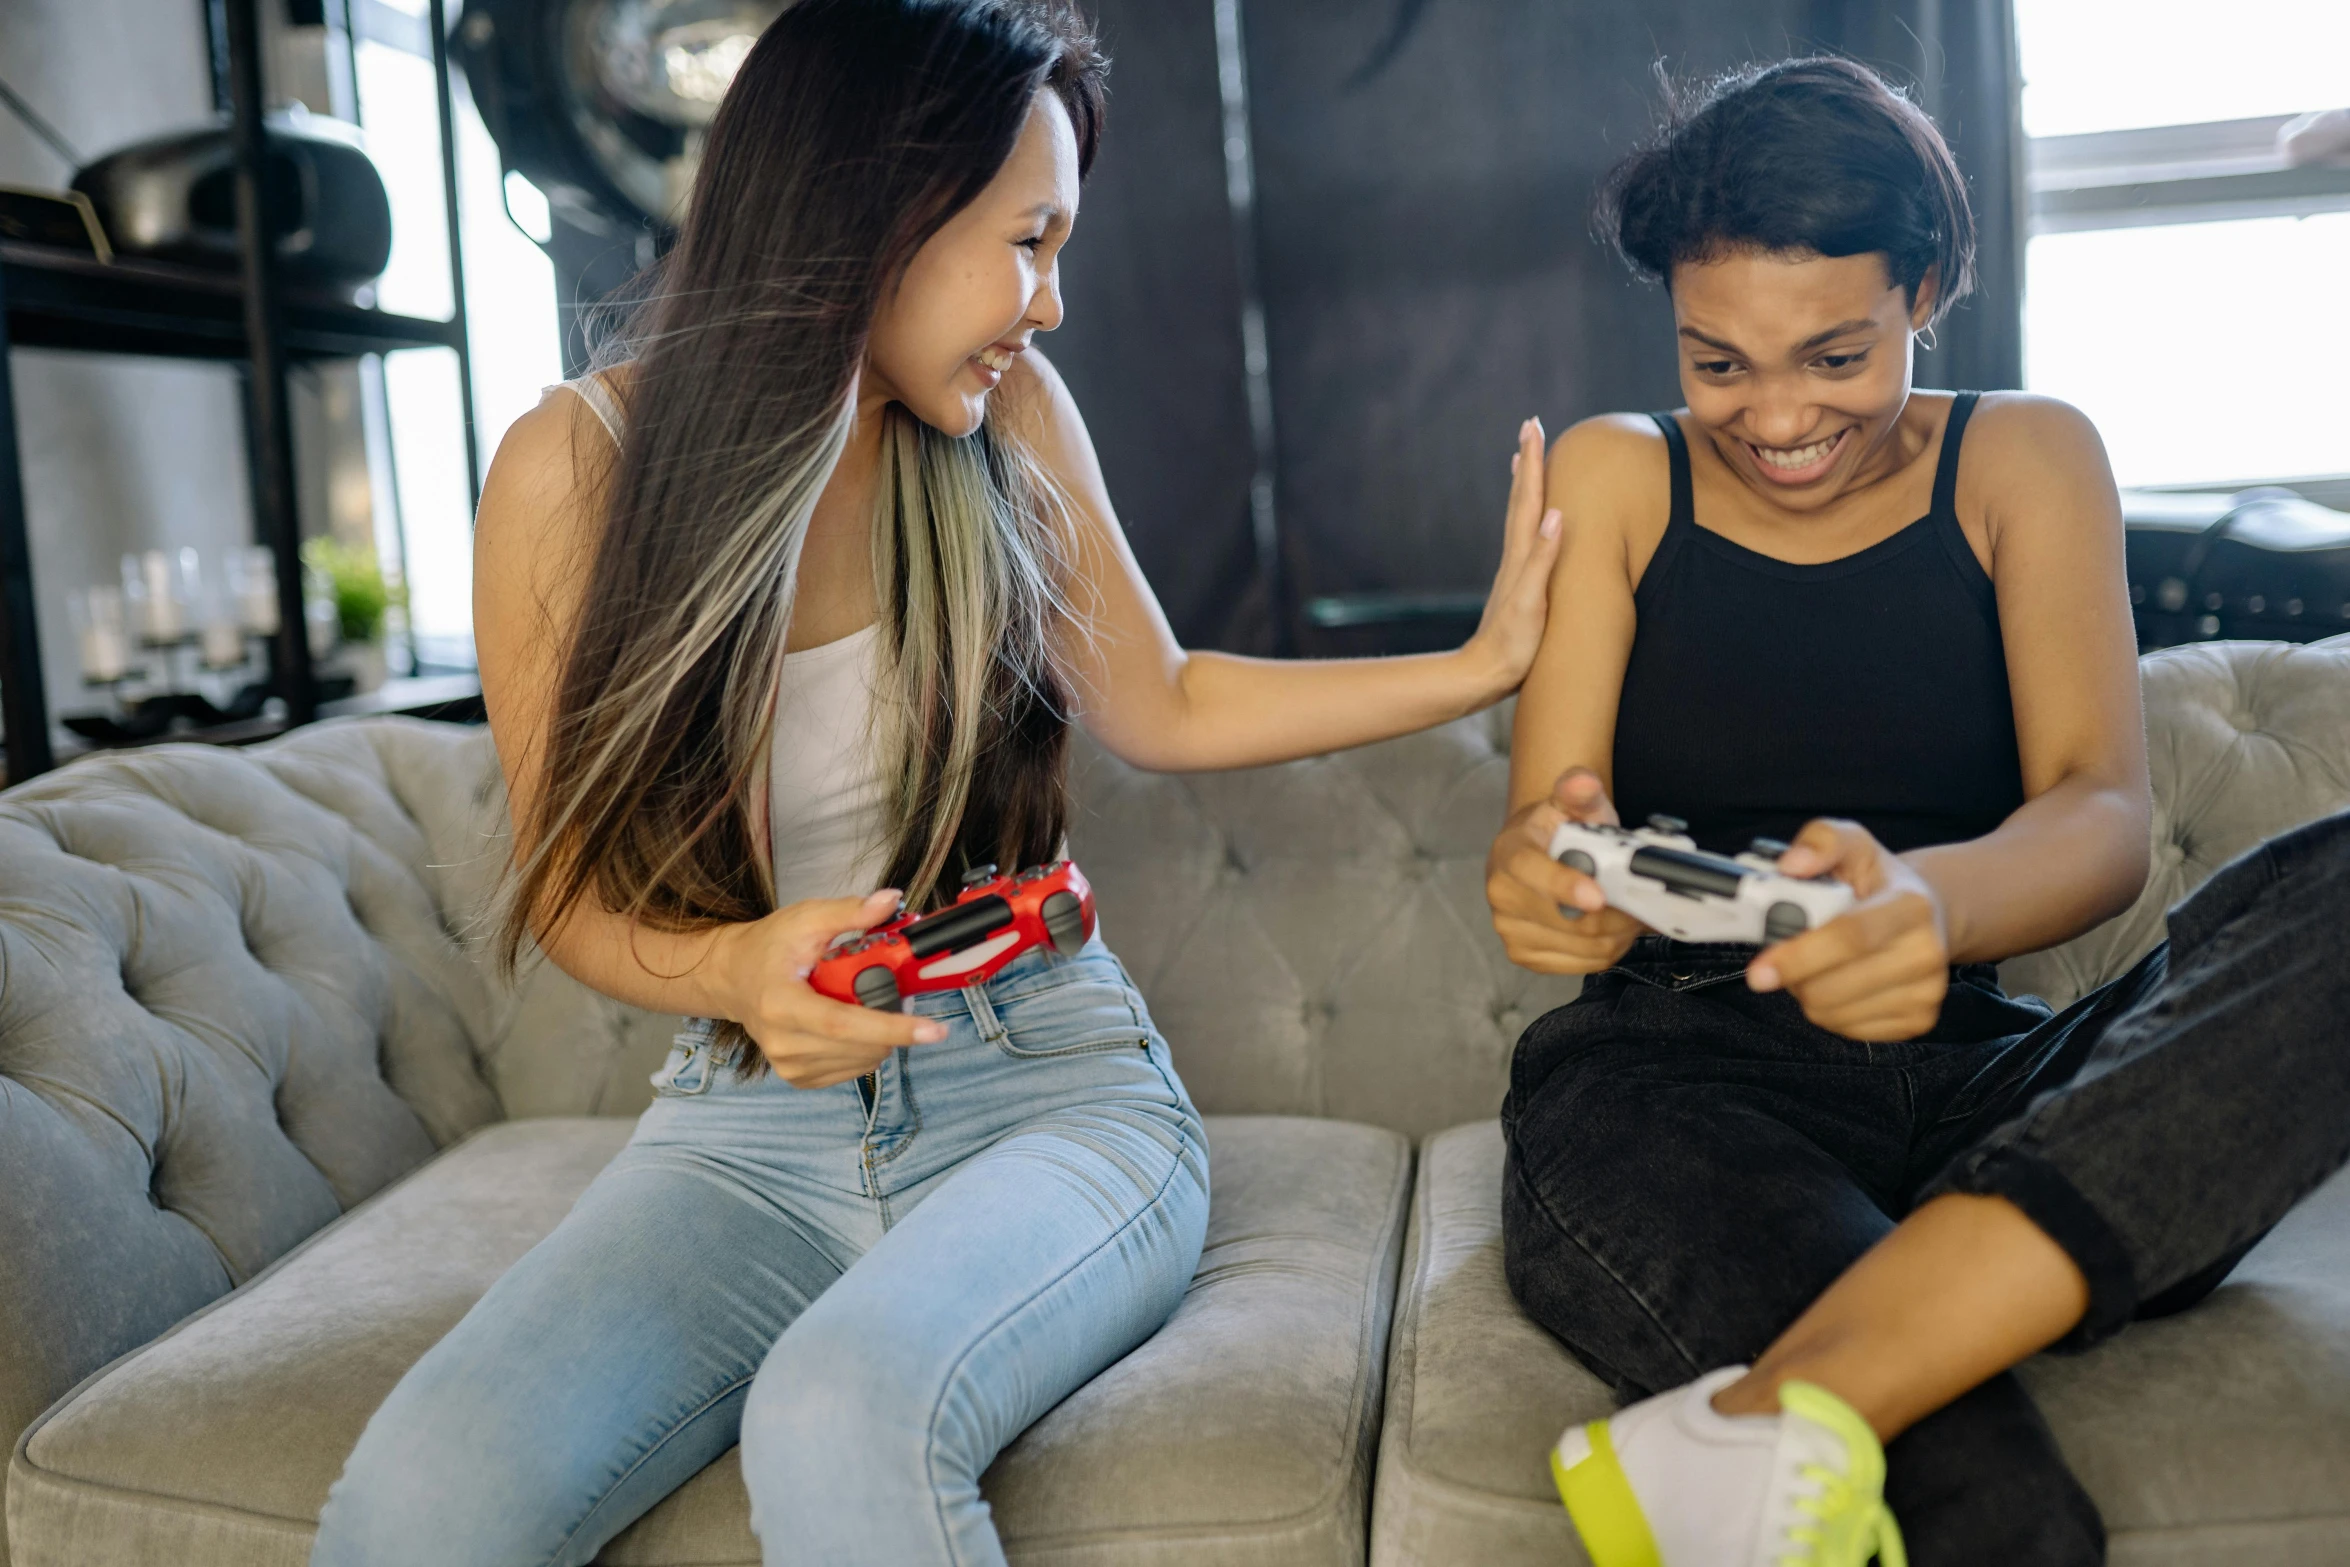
(1960, 57)
(1426, 268)
(1151, 343)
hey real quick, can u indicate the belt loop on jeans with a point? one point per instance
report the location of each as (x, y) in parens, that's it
(698, 1039)
(983, 1016)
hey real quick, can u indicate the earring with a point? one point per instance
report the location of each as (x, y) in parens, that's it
(1926, 337)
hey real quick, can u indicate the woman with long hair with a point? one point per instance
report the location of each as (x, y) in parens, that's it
(1890, 626)
(794, 599)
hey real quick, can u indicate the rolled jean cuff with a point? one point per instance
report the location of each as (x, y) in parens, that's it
(2053, 1203)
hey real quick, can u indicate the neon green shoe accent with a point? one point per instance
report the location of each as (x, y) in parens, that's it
(1854, 1524)
(1600, 1501)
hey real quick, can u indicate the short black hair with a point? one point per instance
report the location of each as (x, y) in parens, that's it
(1817, 154)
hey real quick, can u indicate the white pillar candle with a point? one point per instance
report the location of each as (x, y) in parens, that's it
(223, 644)
(253, 580)
(106, 653)
(162, 621)
(104, 640)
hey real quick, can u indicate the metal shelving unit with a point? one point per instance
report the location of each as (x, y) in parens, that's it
(60, 300)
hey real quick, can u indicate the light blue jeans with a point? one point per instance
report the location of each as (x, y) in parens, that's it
(874, 1291)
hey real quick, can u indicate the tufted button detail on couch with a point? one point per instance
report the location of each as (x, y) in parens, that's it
(1313, 938)
(2241, 737)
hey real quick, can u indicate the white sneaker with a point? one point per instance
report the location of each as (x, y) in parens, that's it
(1674, 1482)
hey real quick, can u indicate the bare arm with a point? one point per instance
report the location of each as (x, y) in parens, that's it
(1156, 705)
(2076, 852)
(533, 544)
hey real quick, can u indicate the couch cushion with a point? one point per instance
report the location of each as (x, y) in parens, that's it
(2209, 1439)
(1241, 1433)
(1476, 1391)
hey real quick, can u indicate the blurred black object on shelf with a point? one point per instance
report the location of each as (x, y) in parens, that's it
(173, 198)
(1370, 625)
(602, 103)
(154, 717)
(251, 716)
(58, 219)
(2260, 565)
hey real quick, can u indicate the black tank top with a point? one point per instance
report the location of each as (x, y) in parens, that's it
(1762, 694)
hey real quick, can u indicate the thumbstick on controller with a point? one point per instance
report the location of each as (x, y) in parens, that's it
(877, 988)
(1768, 848)
(1064, 918)
(1784, 920)
(979, 875)
(1672, 825)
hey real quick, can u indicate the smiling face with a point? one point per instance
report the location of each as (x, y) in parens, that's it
(1797, 366)
(983, 285)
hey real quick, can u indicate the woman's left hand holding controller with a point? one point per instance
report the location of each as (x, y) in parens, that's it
(1877, 972)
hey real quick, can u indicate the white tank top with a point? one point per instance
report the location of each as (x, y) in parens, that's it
(825, 795)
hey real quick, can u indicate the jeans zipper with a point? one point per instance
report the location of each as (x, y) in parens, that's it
(869, 1090)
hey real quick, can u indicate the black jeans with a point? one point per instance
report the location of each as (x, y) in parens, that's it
(1691, 1164)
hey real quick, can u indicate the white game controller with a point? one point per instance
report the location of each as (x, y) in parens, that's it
(1660, 877)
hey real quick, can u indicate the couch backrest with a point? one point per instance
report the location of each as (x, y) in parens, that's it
(2245, 739)
(1313, 938)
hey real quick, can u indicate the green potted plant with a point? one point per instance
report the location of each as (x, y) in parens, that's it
(351, 579)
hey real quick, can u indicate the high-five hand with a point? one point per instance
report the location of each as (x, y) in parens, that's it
(1519, 605)
(1878, 972)
(1528, 889)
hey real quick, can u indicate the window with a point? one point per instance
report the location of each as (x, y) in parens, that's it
(2184, 281)
(510, 298)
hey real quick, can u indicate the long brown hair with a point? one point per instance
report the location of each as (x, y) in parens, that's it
(853, 131)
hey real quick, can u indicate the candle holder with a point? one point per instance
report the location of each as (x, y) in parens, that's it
(252, 586)
(102, 636)
(222, 648)
(157, 588)
(136, 635)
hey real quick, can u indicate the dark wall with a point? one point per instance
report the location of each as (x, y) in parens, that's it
(1430, 279)
(1424, 168)
(1151, 341)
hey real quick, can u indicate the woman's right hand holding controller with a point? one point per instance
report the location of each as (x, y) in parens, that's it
(1527, 888)
(811, 1040)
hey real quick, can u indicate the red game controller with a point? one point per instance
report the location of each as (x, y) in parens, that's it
(994, 920)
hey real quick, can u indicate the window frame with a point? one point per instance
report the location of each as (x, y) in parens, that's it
(2163, 175)
(2167, 176)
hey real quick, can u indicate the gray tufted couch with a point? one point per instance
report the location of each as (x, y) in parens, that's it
(267, 1129)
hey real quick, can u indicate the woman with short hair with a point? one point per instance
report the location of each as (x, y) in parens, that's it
(1888, 626)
